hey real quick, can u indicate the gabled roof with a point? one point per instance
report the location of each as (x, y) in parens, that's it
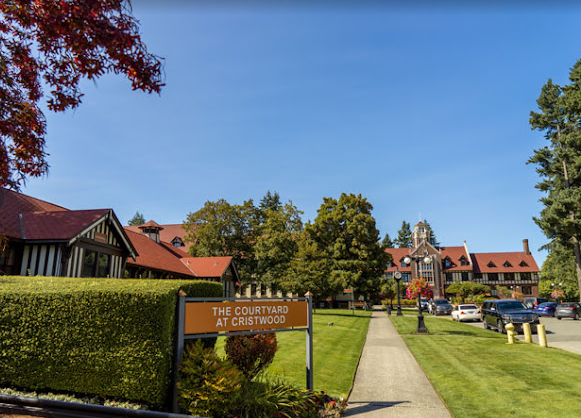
(155, 256)
(397, 254)
(168, 233)
(58, 225)
(150, 224)
(481, 261)
(455, 254)
(207, 266)
(14, 203)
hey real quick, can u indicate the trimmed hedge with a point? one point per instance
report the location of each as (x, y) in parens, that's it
(108, 337)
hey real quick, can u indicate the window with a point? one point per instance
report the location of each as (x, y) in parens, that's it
(509, 276)
(103, 265)
(525, 276)
(493, 277)
(389, 264)
(403, 264)
(447, 262)
(463, 261)
(527, 290)
(523, 264)
(491, 264)
(89, 260)
(507, 264)
(405, 277)
(464, 276)
(449, 277)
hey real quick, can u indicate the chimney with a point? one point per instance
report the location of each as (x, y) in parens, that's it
(151, 230)
(525, 244)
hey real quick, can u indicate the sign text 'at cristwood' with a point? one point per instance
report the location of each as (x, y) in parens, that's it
(244, 316)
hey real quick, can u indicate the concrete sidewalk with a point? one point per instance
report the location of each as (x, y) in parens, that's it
(389, 382)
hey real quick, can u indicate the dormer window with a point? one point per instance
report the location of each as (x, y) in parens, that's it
(523, 264)
(507, 264)
(463, 261)
(177, 242)
(491, 264)
(447, 262)
(403, 264)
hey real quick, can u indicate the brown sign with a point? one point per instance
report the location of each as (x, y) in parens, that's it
(100, 237)
(211, 317)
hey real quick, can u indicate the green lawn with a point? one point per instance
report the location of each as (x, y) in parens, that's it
(336, 348)
(479, 375)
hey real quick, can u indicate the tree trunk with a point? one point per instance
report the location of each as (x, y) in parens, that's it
(577, 262)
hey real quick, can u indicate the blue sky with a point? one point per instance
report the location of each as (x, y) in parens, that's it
(422, 111)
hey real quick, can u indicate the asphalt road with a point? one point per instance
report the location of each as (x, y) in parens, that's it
(564, 334)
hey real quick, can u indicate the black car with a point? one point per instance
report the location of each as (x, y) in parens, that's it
(441, 307)
(498, 313)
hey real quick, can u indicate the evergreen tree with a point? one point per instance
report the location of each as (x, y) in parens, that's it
(137, 219)
(404, 236)
(559, 163)
(431, 235)
(559, 267)
(387, 242)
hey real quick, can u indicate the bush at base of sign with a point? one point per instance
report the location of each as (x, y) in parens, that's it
(214, 387)
(251, 353)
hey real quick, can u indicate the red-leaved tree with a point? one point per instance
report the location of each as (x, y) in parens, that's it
(58, 43)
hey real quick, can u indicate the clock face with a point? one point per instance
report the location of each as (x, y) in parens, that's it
(397, 274)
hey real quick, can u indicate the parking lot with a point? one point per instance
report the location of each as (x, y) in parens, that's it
(564, 334)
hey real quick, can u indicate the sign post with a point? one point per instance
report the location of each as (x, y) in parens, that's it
(221, 317)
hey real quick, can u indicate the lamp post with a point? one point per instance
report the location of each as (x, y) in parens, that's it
(397, 277)
(427, 260)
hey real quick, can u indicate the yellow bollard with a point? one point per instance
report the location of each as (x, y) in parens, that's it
(542, 335)
(510, 332)
(526, 329)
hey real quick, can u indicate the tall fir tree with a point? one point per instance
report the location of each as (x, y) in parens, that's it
(404, 236)
(386, 241)
(137, 219)
(559, 163)
(431, 235)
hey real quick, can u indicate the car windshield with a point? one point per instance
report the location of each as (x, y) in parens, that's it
(511, 306)
(468, 307)
(441, 302)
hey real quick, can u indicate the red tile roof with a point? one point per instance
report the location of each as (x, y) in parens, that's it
(154, 255)
(397, 254)
(58, 225)
(207, 266)
(13, 203)
(150, 224)
(455, 254)
(481, 261)
(167, 234)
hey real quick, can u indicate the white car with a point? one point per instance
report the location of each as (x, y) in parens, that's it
(467, 312)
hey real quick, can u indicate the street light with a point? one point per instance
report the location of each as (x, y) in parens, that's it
(397, 277)
(427, 260)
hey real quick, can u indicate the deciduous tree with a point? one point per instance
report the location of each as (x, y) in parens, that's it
(58, 43)
(466, 290)
(222, 229)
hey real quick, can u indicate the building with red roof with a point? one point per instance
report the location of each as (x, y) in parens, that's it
(515, 270)
(44, 239)
(166, 260)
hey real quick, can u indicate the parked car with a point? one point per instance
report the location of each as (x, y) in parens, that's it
(441, 307)
(466, 312)
(498, 313)
(568, 310)
(546, 309)
(424, 303)
(534, 302)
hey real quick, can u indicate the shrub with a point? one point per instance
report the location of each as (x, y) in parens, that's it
(109, 337)
(251, 353)
(208, 385)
